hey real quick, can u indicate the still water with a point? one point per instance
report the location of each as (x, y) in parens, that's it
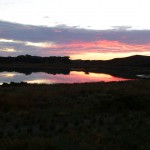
(72, 77)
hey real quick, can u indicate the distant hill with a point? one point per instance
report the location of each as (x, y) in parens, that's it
(132, 61)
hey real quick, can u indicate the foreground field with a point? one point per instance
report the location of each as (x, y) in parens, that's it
(105, 116)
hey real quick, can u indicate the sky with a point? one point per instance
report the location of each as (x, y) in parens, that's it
(81, 29)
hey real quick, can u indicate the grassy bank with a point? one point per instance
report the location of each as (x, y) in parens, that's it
(105, 116)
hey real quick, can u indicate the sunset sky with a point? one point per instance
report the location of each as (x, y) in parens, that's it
(81, 29)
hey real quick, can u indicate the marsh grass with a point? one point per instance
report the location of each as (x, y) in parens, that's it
(90, 116)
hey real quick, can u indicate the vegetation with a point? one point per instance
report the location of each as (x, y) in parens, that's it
(89, 116)
(29, 70)
(127, 67)
(53, 61)
(34, 59)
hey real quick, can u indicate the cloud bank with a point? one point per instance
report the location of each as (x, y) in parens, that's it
(17, 39)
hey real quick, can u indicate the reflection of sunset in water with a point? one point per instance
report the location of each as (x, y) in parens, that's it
(73, 77)
(8, 75)
(93, 77)
(38, 81)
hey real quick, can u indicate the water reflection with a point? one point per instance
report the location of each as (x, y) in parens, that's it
(8, 75)
(73, 77)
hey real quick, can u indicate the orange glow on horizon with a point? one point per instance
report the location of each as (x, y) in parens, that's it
(101, 49)
(105, 56)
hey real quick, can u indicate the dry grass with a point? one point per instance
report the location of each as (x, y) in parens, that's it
(102, 116)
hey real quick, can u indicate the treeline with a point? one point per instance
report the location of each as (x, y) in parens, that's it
(35, 59)
(57, 61)
(35, 69)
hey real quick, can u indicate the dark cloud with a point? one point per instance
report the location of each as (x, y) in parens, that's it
(68, 34)
(69, 40)
(41, 33)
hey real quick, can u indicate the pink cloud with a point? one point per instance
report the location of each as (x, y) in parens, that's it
(101, 46)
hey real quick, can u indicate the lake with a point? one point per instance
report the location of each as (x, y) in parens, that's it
(48, 78)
